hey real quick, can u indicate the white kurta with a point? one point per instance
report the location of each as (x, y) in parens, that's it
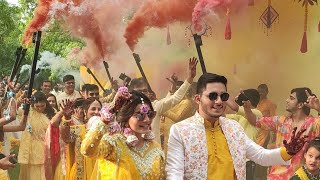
(163, 105)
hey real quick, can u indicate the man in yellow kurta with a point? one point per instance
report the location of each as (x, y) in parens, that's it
(253, 96)
(251, 131)
(210, 146)
(185, 109)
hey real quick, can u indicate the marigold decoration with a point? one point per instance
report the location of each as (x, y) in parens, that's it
(304, 42)
(227, 32)
(268, 17)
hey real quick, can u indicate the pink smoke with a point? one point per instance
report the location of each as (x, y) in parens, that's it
(204, 7)
(157, 14)
(98, 23)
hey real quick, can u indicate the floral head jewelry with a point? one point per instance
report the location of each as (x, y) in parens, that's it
(144, 109)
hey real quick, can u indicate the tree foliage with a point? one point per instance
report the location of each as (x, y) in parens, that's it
(13, 20)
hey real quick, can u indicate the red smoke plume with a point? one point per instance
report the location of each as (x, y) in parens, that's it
(157, 14)
(39, 20)
(41, 17)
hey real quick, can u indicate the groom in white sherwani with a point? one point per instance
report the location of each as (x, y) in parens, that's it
(210, 146)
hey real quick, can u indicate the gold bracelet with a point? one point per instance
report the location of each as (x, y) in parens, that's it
(66, 124)
(65, 120)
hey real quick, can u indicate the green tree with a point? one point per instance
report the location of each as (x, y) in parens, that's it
(14, 19)
(9, 21)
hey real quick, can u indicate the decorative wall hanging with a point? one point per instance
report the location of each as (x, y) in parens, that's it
(250, 2)
(268, 17)
(304, 42)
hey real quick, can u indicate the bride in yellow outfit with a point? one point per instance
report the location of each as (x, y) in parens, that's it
(123, 142)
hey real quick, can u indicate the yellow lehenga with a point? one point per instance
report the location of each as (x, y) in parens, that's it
(3, 173)
(117, 160)
(78, 166)
(31, 152)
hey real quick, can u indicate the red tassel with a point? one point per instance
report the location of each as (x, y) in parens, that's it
(168, 36)
(227, 32)
(250, 2)
(319, 27)
(304, 43)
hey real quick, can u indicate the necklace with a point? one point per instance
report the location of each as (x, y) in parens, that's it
(141, 151)
(311, 176)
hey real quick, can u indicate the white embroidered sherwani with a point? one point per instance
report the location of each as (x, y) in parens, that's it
(188, 155)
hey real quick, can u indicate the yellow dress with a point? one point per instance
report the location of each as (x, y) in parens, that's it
(118, 161)
(58, 174)
(31, 152)
(303, 174)
(78, 166)
(3, 173)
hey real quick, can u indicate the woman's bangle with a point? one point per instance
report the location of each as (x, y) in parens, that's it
(66, 122)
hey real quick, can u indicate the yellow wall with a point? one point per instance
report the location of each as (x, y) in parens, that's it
(274, 59)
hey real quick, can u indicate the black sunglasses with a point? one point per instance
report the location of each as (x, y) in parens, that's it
(214, 96)
(141, 116)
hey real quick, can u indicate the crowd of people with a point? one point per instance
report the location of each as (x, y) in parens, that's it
(132, 134)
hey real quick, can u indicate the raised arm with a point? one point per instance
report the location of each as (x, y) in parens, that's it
(251, 117)
(165, 104)
(12, 113)
(16, 128)
(66, 111)
(97, 143)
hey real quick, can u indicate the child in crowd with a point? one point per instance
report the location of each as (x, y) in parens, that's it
(310, 171)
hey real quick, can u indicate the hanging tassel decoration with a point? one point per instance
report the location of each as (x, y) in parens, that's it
(168, 36)
(250, 2)
(319, 27)
(227, 32)
(304, 42)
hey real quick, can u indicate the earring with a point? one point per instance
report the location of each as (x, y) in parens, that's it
(149, 136)
(132, 140)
